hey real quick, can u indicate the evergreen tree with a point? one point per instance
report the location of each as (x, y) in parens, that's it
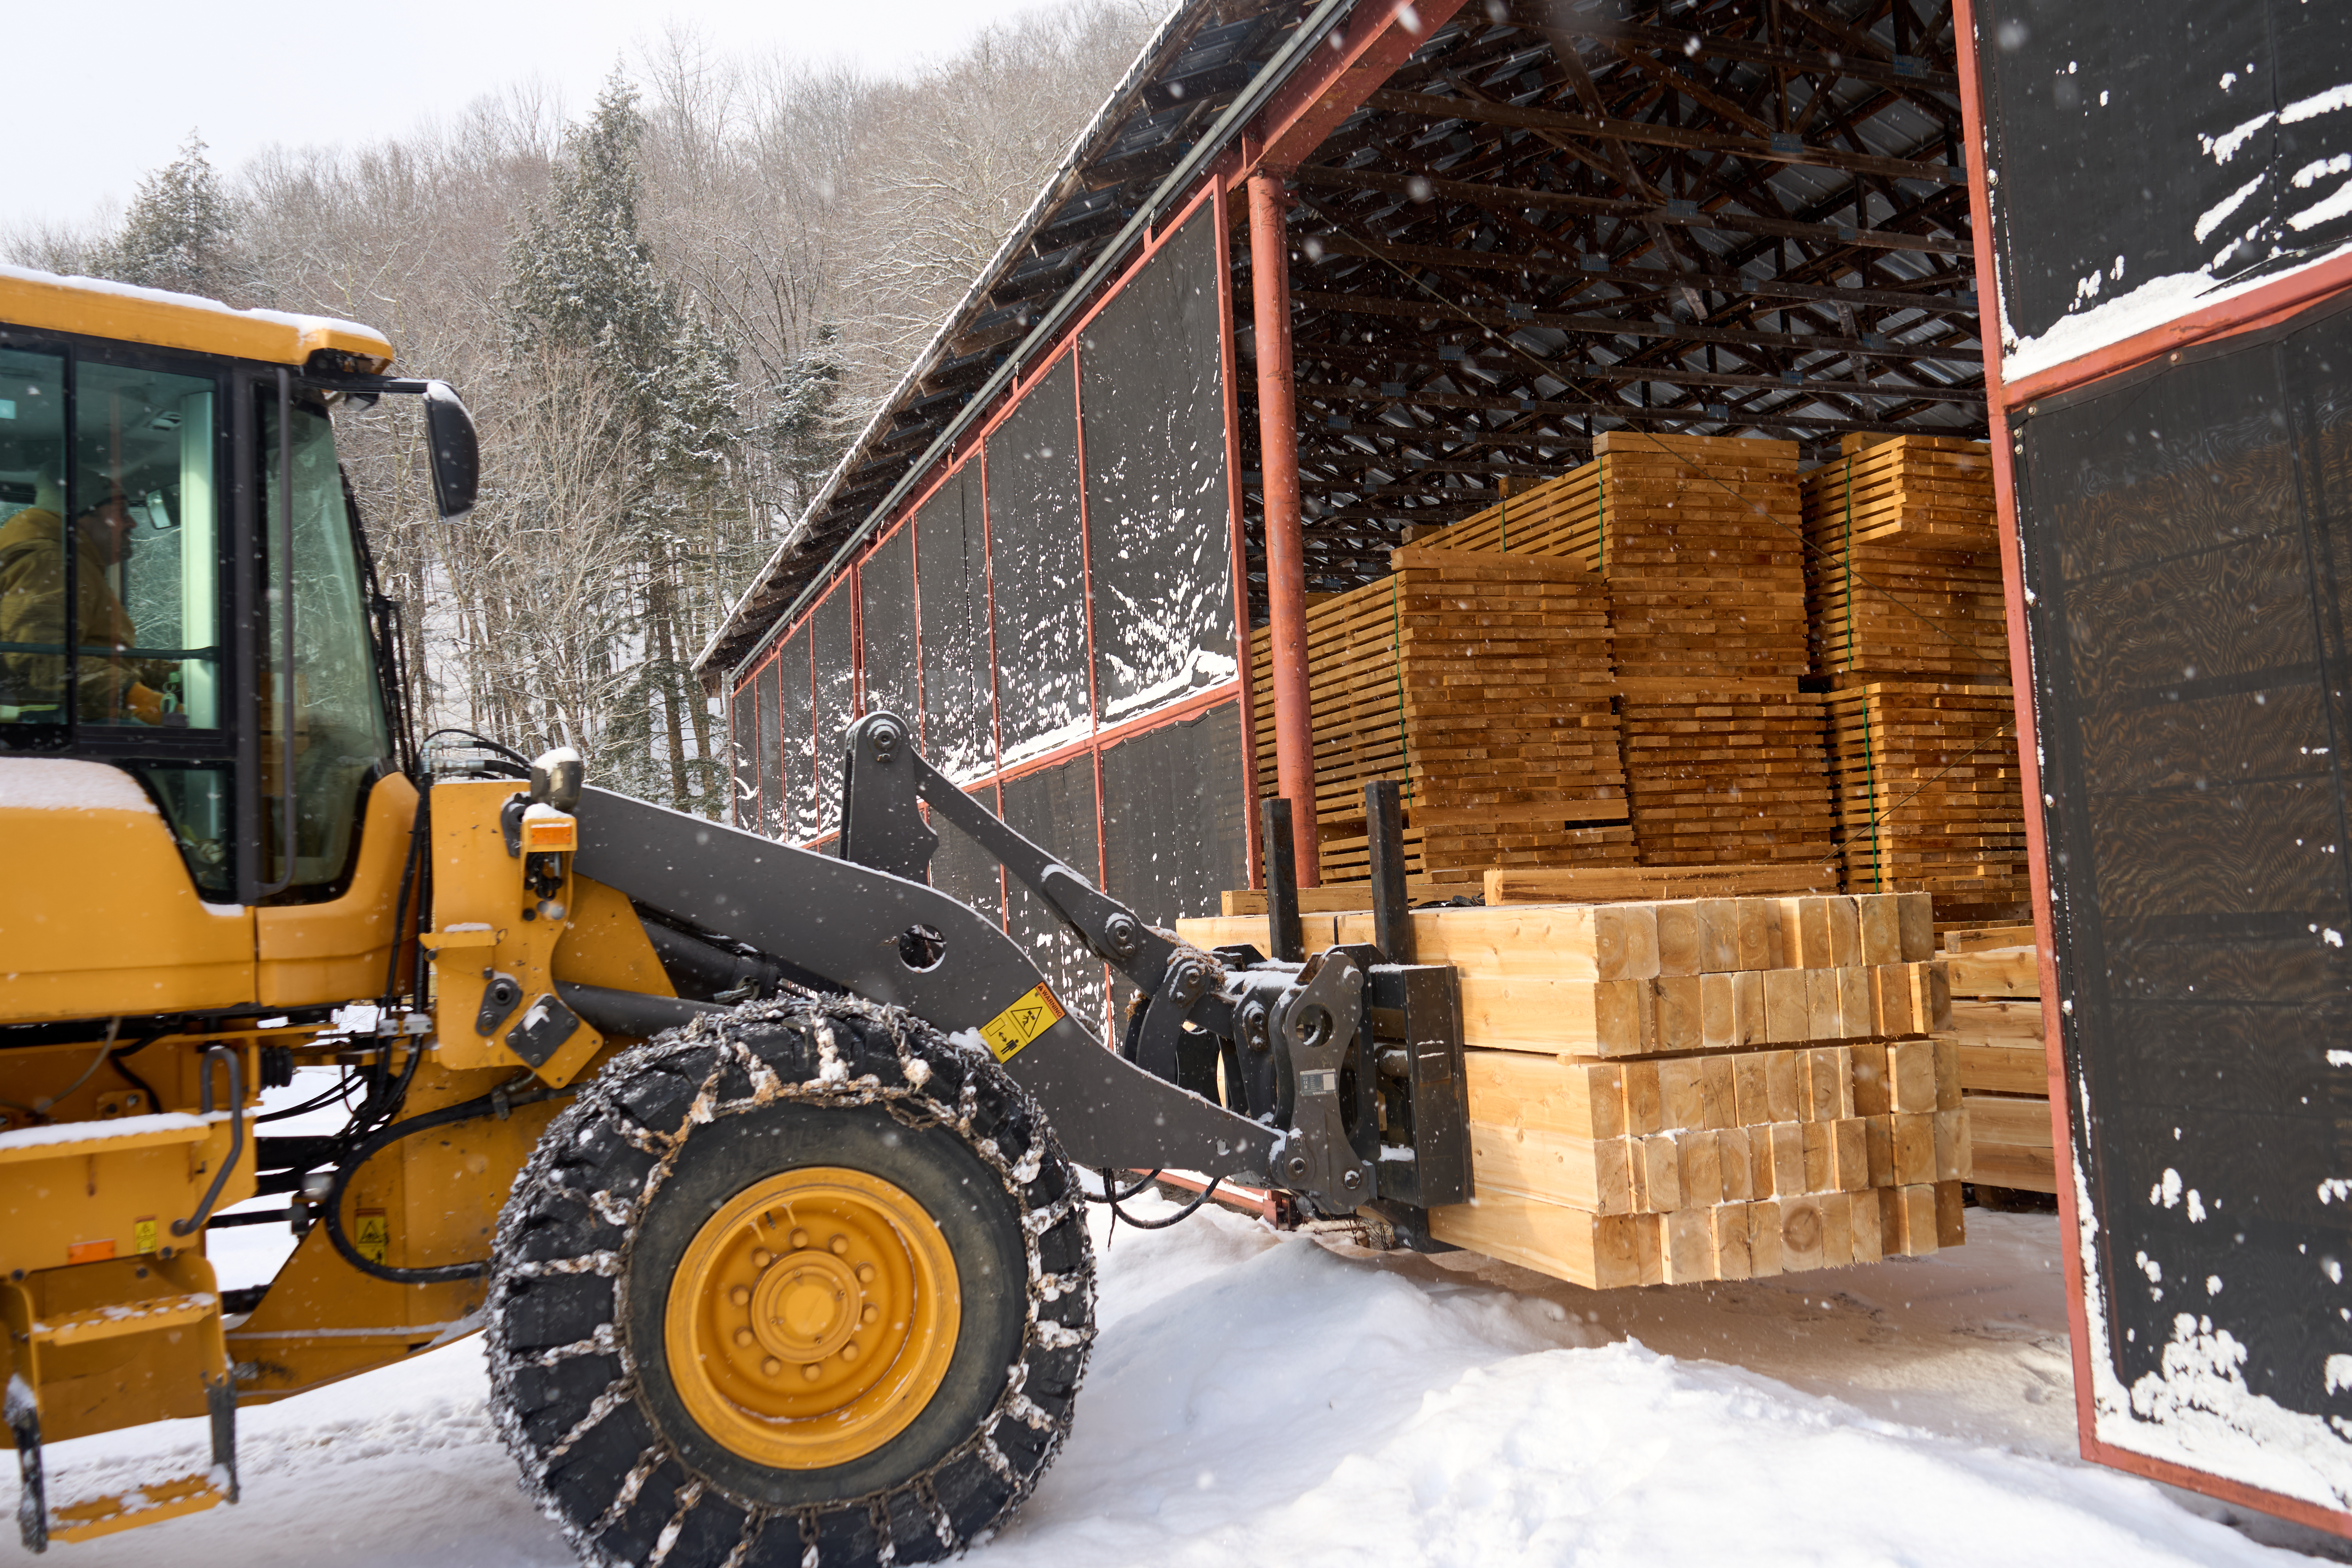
(803, 428)
(180, 234)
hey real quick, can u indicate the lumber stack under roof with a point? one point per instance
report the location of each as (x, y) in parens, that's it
(1706, 1088)
(1701, 542)
(1483, 684)
(1909, 629)
(1997, 1030)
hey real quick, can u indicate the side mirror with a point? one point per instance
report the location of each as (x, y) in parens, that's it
(456, 453)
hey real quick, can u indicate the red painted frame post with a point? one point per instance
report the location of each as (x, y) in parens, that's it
(2251, 311)
(1286, 546)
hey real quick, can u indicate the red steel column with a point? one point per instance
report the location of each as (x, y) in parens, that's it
(1285, 551)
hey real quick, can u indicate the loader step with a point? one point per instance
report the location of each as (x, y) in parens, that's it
(139, 1506)
(116, 1318)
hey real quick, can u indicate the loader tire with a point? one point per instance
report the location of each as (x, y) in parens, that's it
(803, 1278)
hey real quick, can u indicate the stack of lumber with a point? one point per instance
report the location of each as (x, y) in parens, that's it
(1904, 591)
(1483, 684)
(1708, 1089)
(1997, 1031)
(1929, 796)
(1903, 565)
(1700, 540)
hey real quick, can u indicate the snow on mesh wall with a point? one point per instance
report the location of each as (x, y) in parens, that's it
(1036, 561)
(1175, 821)
(743, 809)
(774, 793)
(2188, 547)
(952, 572)
(886, 619)
(799, 768)
(2150, 159)
(832, 629)
(1152, 392)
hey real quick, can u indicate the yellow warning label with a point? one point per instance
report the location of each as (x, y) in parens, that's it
(142, 1234)
(1036, 1012)
(374, 1237)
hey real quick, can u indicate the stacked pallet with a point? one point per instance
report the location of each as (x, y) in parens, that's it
(1903, 592)
(1482, 683)
(1929, 795)
(1708, 1088)
(1903, 567)
(1997, 1031)
(1700, 540)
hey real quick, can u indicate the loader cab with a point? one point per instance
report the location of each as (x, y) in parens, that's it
(186, 594)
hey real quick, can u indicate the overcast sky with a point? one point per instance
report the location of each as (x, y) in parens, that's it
(114, 89)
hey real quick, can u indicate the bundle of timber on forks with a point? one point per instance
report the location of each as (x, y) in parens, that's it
(1483, 684)
(1700, 541)
(1996, 1028)
(1929, 796)
(1902, 562)
(1706, 1089)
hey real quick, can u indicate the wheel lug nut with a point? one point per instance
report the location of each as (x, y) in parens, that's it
(811, 1371)
(762, 1257)
(743, 1338)
(840, 1244)
(740, 1295)
(866, 1274)
(849, 1352)
(800, 1239)
(770, 1367)
(871, 1312)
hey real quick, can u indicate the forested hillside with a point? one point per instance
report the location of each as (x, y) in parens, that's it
(667, 311)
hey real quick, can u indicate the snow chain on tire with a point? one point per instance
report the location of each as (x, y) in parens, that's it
(567, 1391)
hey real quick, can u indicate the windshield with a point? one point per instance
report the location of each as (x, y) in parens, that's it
(341, 737)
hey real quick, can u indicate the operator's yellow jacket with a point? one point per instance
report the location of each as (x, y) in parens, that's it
(32, 597)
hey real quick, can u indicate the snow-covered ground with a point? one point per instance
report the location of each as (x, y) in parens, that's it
(1261, 1399)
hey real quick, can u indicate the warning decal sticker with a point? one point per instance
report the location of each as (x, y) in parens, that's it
(1036, 1012)
(374, 1239)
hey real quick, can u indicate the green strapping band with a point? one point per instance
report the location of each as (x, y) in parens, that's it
(1869, 757)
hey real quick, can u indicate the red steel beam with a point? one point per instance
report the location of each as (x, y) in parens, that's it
(1286, 547)
(1347, 69)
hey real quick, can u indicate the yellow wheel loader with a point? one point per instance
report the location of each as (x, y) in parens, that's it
(757, 1167)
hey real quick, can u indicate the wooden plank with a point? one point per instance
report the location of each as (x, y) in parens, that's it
(2017, 1123)
(1506, 1089)
(1598, 1251)
(1996, 972)
(2002, 1068)
(1543, 885)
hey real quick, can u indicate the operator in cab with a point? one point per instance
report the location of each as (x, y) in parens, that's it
(33, 585)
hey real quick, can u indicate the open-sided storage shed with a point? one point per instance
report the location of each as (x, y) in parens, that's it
(1317, 278)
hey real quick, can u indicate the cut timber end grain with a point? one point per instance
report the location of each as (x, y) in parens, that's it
(1866, 1226)
(1764, 1238)
(1951, 1219)
(1729, 1223)
(1751, 1101)
(1718, 924)
(1837, 1233)
(1915, 1148)
(1871, 1096)
(1880, 1132)
(1627, 941)
(1660, 1183)
(1857, 1006)
(1718, 1012)
(1784, 1087)
(1880, 918)
(1951, 1146)
(1734, 1164)
(1916, 913)
(1891, 987)
(1914, 1219)
(1850, 1150)
(1948, 1074)
(1680, 1022)
(1644, 1101)
(1748, 1008)
(1801, 1232)
(1681, 948)
(1845, 932)
(1821, 998)
(1911, 1076)
(1788, 1157)
(1702, 1174)
(1788, 1006)
(1820, 1156)
(1686, 1246)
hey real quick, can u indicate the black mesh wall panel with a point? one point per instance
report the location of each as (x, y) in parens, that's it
(963, 869)
(2187, 532)
(743, 802)
(1173, 834)
(1056, 807)
(952, 568)
(1037, 566)
(1157, 519)
(886, 595)
(799, 805)
(831, 626)
(775, 795)
(2160, 137)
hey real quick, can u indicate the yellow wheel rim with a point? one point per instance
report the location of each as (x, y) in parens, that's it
(812, 1318)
